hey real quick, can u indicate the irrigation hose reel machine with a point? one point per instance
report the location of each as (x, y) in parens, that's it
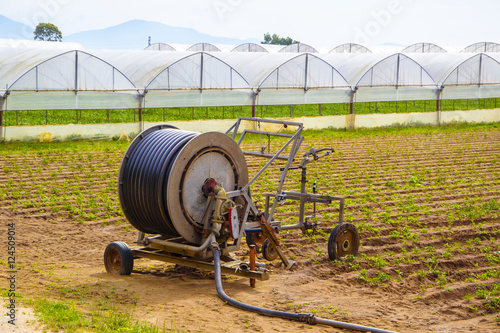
(188, 192)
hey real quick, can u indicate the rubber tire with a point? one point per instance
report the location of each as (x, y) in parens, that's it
(346, 234)
(268, 250)
(118, 259)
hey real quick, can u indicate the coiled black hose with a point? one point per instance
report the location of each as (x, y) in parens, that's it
(143, 178)
(302, 317)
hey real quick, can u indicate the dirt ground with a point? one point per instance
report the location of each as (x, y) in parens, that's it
(60, 257)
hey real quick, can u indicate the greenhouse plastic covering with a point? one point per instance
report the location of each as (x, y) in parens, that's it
(43, 78)
(350, 48)
(159, 47)
(423, 48)
(249, 47)
(482, 47)
(299, 47)
(204, 47)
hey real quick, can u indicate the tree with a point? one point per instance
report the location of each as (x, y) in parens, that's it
(277, 40)
(47, 32)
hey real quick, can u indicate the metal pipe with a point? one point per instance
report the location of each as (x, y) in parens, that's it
(1, 118)
(252, 263)
(302, 317)
(202, 247)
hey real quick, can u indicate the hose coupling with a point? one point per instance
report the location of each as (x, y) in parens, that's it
(215, 231)
(308, 318)
(214, 246)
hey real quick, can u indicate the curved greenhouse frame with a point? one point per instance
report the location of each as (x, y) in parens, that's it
(206, 47)
(482, 47)
(159, 47)
(383, 77)
(350, 48)
(423, 48)
(51, 79)
(249, 47)
(198, 79)
(299, 48)
(464, 75)
(316, 78)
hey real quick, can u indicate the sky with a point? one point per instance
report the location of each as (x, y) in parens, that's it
(320, 23)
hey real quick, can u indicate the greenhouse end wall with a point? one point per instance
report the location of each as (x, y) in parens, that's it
(48, 133)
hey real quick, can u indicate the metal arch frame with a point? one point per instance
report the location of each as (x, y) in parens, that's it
(294, 139)
(201, 88)
(76, 88)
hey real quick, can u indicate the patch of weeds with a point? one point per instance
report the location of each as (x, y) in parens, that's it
(493, 259)
(491, 295)
(379, 278)
(103, 318)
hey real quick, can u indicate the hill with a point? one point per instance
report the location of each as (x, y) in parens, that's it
(134, 35)
(128, 35)
(10, 29)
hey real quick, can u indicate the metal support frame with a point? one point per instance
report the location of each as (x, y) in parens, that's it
(304, 197)
(295, 140)
(1, 118)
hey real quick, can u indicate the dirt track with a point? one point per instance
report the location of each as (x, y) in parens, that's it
(426, 207)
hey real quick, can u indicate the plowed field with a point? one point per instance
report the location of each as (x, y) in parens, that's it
(426, 205)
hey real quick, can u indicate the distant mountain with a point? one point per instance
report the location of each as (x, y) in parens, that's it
(14, 30)
(129, 35)
(134, 35)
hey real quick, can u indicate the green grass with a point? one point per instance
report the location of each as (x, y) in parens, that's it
(490, 295)
(64, 316)
(58, 117)
(62, 148)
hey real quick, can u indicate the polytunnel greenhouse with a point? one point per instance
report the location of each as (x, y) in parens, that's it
(423, 48)
(462, 75)
(249, 47)
(299, 48)
(482, 47)
(350, 48)
(34, 78)
(203, 47)
(160, 47)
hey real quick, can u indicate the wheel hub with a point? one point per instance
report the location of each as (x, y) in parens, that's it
(346, 245)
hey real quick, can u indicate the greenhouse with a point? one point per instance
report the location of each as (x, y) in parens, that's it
(296, 79)
(207, 47)
(52, 79)
(35, 78)
(249, 47)
(462, 75)
(159, 47)
(350, 48)
(482, 47)
(299, 48)
(382, 77)
(423, 48)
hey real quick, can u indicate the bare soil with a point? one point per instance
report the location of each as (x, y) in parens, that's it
(424, 204)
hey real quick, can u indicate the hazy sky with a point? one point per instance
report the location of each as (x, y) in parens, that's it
(321, 23)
